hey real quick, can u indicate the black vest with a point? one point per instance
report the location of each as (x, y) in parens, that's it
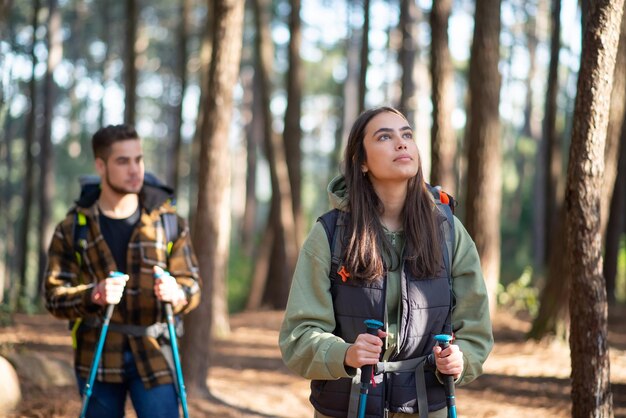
(425, 309)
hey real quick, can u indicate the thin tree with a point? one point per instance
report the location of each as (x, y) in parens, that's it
(30, 164)
(617, 221)
(46, 157)
(292, 133)
(406, 58)
(553, 315)
(213, 213)
(365, 51)
(105, 68)
(350, 106)
(130, 62)
(443, 139)
(591, 394)
(181, 67)
(482, 136)
(280, 224)
(614, 130)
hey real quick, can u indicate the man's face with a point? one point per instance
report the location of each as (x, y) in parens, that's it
(123, 170)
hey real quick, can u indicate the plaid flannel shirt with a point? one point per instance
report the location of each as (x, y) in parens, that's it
(68, 286)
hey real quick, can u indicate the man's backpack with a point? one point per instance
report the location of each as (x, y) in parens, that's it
(90, 185)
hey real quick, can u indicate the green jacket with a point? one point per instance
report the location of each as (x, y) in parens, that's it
(306, 339)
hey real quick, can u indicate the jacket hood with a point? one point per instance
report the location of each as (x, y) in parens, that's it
(338, 192)
(153, 194)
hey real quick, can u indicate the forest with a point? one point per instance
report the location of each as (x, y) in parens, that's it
(244, 108)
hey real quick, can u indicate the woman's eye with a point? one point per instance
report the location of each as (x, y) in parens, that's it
(407, 135)
(384, 137)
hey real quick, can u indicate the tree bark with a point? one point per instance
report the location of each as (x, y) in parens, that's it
(29, 174)
(614, 130)
(281, 214)
(292, 134)
(591, 394)
(211, 234)
(406, 57)
(553, 315)
(365, 51)
(617, 220)
(173, 177)
(130, 62)
(46, 157)
(443, 139)
(484, 191)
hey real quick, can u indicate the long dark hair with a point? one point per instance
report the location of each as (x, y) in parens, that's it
(366, 239)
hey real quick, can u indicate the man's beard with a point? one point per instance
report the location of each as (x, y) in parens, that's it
(121, 190)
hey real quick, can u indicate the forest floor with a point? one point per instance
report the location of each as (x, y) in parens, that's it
(248, 378)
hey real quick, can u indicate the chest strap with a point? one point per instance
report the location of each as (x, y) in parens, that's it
(416, 365)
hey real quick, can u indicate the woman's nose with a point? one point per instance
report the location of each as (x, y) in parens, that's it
(401, 145)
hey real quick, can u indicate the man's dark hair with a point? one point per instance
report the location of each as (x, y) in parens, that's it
(102, 140)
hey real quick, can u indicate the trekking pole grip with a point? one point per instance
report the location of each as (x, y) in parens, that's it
(372, 328)
(443, 341)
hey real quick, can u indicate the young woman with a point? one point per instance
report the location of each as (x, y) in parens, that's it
(387, 252)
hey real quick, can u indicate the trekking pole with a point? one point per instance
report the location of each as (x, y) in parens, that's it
(443, 340)
(367, 371)
(180, 383)
(97, 354)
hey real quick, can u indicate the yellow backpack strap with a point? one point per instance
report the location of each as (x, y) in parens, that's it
(80, 243)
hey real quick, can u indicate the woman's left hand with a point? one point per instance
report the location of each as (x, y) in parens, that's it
(449, 360)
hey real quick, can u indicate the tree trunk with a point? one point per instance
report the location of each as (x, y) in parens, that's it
(206, 51)
(46, 157)
(105, 10)
(213, 212)
(591, 394)
(281, 215)
(365, 51)
(29, 174)
(350, 106)
(173, 177)
(484, 191)
(254, 138)
(130, 62)
(614, 130)
(553, 315)
(406, 57)
(443, 139)
(292, 134)
(615, 227)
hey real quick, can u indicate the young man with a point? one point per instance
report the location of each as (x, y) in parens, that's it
(121, 227)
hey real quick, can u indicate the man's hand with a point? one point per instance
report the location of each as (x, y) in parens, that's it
(110, 290)
(449, 361)
(365, 350)
(167, 289)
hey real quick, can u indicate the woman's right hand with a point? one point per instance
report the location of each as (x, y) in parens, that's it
(365, 350)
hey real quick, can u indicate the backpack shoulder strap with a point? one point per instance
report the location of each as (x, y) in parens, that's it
(170, 225)
(446, 204)
(334, 224)
(80, 235)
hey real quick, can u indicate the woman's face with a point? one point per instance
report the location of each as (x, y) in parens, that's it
(391, 154)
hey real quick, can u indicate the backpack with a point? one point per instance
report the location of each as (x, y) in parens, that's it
(90, 185)
(334, 226)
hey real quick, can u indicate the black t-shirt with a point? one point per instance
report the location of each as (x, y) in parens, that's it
(117, 233)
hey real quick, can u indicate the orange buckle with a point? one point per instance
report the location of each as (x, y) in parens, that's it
(343, 273)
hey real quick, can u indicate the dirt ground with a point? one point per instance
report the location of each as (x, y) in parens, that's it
(522, 379)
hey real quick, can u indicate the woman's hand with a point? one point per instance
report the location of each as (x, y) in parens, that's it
(449, 360)
(365, 350)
